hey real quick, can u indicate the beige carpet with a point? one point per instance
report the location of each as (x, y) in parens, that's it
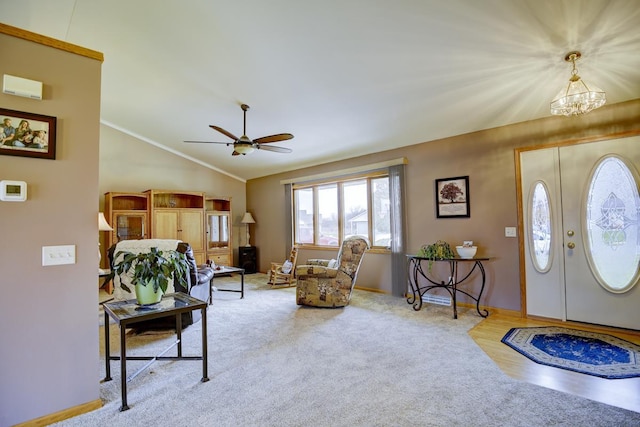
(376, 362)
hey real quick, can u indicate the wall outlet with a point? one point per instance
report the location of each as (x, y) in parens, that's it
(510, 232)
(58, 255)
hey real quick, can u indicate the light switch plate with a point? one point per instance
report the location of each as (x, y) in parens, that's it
(510, 232)
(58, 255)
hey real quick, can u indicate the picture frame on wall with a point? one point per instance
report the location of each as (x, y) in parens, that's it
(452, 197)
(27, 134)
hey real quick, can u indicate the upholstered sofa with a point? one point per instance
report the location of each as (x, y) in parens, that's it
(321, 285)
(198, 279)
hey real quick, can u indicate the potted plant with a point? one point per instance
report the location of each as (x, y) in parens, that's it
(436, 251)
(150, 272)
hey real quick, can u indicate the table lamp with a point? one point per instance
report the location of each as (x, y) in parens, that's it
(246, 220)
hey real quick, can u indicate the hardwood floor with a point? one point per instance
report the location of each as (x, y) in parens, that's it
(623, 393)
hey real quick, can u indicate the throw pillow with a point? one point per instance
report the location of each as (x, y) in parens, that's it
(287, 266)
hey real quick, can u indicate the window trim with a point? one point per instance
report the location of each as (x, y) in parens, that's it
(368, 176)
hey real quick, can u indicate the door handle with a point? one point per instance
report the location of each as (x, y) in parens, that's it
(570, 233)
(571, 245)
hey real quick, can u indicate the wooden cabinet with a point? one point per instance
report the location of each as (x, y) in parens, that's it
(179, 215)
(179, 224)
(218, 231)
(127, 213)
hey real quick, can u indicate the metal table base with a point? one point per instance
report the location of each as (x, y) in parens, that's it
(416, 271)
(129, 312)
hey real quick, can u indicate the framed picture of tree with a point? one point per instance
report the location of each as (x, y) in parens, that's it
(452, 197)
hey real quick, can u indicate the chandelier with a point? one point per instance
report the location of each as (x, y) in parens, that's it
(577, 97)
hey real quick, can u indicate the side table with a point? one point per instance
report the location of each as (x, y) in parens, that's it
(127, 312)
(416, 271)
(223, 270)
(107, 283)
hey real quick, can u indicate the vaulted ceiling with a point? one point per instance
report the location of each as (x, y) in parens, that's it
(345, 77)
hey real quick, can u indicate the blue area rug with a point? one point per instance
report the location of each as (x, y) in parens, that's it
(590, 353)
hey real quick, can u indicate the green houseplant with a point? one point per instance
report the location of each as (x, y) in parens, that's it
(435, 251)
(150, 272)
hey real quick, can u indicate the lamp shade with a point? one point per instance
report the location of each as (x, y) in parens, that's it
(243, 148)
(103, 225)
(248, 218)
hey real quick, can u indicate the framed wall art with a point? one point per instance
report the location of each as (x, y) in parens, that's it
(452, 197)
(27, 135)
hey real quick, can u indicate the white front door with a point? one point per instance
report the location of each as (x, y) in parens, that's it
(582, 233)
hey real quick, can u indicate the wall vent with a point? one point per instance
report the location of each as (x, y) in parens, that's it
(18, 86)
(436, 299)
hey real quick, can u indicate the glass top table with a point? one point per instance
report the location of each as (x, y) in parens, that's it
(221, 270)
(127, 312)
(130, 311)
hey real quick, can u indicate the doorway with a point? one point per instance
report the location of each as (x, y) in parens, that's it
(581, 232)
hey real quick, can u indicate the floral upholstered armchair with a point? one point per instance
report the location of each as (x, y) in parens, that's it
(322, 285)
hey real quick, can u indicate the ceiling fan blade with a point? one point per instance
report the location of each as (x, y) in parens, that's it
(273, 138)
(210, 142)
(224, 132)
(274, 148)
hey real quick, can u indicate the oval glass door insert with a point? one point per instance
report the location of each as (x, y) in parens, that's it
(540, 227)
(611, 224)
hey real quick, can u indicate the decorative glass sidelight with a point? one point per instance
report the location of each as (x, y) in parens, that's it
(540, 230)
(611, 224)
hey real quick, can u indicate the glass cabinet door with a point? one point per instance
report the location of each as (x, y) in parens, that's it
(218, 230)
(129, 226)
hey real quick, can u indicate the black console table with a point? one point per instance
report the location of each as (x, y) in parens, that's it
(417, 270)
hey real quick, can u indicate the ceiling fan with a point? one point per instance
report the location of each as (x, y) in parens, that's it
(245, 145)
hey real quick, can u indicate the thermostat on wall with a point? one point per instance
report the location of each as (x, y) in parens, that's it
(13, 191)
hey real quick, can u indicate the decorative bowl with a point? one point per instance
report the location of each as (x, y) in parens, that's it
(466, 252)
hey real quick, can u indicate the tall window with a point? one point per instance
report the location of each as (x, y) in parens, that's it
(356, 208)
(381, 209)
(303, 205)
(326, 213)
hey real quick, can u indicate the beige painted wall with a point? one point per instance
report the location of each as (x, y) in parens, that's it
(129, 164)
(48, 319)
(48, 322)
(487, 157)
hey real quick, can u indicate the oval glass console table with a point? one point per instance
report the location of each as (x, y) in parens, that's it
(421, 282)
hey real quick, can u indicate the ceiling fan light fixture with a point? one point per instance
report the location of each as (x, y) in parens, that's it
(243, 147)
(577, 97)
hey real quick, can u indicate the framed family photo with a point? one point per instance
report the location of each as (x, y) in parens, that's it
(27, 135)
(452, 197)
